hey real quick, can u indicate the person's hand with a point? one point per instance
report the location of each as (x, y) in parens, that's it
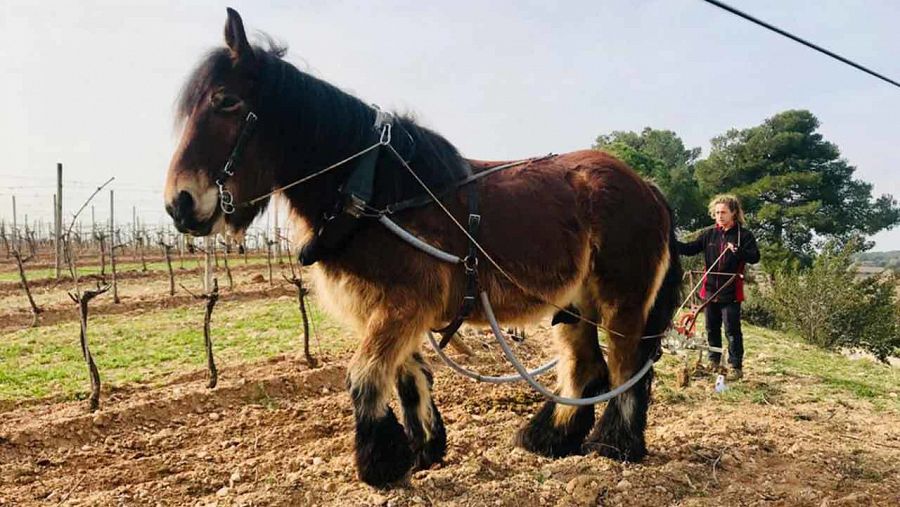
(730, 246)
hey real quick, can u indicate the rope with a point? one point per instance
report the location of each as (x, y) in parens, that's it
(702, 279)
(537, 386)
(313, 175)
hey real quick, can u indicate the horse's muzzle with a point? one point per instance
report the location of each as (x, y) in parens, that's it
(183, 214)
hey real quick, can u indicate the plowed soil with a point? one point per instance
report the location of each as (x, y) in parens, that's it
(279, 433)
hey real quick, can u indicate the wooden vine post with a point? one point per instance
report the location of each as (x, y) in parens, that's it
(211, 298)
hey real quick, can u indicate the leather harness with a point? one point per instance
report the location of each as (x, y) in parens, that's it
(352, 205)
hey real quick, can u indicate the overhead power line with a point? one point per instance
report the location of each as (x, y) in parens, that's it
(801, 41)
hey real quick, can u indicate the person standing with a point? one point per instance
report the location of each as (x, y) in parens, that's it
(727, 247)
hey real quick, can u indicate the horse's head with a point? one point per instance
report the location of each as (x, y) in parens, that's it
(213, 107)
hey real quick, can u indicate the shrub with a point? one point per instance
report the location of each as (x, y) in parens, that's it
(757, 308)
(828, 307)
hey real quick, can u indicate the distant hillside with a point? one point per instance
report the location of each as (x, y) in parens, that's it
(889, 259)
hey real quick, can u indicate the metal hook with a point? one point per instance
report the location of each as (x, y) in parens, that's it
(385, 135)
(226, 199)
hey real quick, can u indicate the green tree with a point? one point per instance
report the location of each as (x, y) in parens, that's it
(796, 189)
(660, 156)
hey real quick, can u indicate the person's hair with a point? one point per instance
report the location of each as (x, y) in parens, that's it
(733, 204)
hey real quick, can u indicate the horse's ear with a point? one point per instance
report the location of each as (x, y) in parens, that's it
(236, 39)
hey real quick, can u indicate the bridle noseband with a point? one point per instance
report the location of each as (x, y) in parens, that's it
(226, 199)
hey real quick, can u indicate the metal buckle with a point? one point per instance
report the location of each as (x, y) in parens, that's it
(355, 207)
(470, 262)
(381, 117)
(383, 121)
(226, 199)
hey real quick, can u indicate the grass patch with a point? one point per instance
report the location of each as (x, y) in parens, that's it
(670, 396)
(823, 373)
(46, 361)
(149, 347)
(760, 393)
(780, 366)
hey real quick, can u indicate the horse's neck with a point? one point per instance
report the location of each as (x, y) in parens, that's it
(316, 134)
(311, 199)
(317, 195)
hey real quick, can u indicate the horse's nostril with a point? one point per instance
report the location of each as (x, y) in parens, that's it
(183, 205)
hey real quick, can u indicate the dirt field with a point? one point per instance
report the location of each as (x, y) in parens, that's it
(278, 433)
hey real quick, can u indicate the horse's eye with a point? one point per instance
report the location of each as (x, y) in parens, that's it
(226, 103)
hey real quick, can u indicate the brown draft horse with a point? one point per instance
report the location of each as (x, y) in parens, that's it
(579, 230)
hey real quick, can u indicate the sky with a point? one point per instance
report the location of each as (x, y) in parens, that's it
(92, 84)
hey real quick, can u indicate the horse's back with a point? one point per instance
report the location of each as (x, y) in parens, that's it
(586, 181)
(588, 198)
(597, 161)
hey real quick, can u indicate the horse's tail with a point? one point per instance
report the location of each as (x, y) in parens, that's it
(668, 297)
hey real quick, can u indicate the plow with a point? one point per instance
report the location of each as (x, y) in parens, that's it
(682, 339)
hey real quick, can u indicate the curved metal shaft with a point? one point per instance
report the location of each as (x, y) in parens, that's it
(418, 243)
(485, 378)
(511, 356)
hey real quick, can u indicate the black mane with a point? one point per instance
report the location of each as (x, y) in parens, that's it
(309, 124)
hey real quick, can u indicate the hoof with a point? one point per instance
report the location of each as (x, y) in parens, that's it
(434, 449)
(542, 436)
(618, 445)
(383, 455)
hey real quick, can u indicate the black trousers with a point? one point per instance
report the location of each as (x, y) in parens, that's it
(731, 314)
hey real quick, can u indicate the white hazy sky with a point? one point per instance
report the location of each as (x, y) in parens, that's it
(92, 84)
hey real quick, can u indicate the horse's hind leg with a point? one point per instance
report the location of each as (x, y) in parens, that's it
(421, 418)
(559, 430)
(638, 292)
(383, 453)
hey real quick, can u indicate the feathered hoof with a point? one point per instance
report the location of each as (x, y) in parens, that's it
(542, 436)
(433, 449)
(620, 446)
(383, 455)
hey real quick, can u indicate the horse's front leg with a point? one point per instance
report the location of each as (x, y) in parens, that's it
(620, 433)
(383, 452)
(423, 422)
